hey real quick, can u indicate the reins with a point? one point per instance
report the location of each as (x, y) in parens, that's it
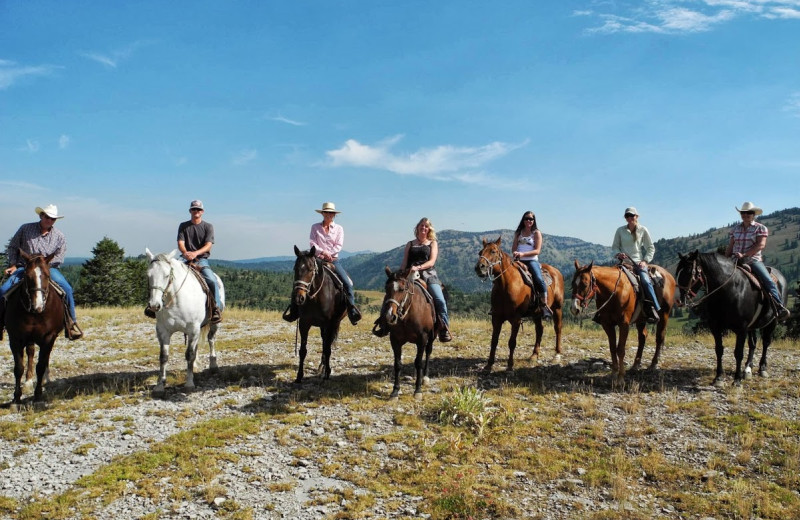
(401, 305)
(490, 265)
(594, 289)
(704, 281)
(170, 279)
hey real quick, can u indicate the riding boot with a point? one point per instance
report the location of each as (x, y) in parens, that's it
(216, 315)
(650, 312)
(353, 313)
(547, 314)
(444, 331)
(73, 331)
(291, 313)
(781, 311)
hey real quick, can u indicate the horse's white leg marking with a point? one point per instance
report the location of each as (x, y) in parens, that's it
(162, 371)
(212, 347)
(191, 357)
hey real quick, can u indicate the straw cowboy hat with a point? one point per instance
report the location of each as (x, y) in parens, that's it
(51, 210)
(327, 207)
(749, 206)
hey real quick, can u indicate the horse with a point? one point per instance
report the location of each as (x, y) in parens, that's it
(321, 302)
(180, 304)
(34, 316)
(619, 307)
(411, 318)
(731, 302)
(512, 298)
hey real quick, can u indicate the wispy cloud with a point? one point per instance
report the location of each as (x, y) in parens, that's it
(63, 142)
(446, 162)
(10, 72)
(113, 58)
(286, 120)
(683, 16)
(793, 105)
(31, 146)
(244, 157)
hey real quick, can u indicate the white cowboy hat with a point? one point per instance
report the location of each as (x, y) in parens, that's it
(749, 206)
(631, 211)
(327, 207)
(51, 210)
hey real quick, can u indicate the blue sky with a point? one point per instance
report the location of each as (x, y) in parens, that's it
(466, 112)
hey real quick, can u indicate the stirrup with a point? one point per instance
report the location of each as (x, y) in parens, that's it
(216, 316)
(74, 331)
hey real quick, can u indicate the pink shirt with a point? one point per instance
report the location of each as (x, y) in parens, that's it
(330, 243)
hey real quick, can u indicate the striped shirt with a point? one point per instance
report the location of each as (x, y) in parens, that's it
(30, 239)
(745, 237)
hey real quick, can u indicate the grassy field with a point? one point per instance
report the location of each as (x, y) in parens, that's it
(550, 440)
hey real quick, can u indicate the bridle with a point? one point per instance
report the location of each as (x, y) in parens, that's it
(490, 265)
(170, 280)
(402, 310)
(44, 289)
(695, 279)
(592, 290)
(307, 286)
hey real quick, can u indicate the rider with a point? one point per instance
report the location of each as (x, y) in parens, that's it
(328, 239)
(528, 244)
(747, 240)
(630, 241)
(195, 240)
(420, 255)
(40, 238)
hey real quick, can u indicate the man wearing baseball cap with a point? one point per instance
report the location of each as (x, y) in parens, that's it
(195, 240)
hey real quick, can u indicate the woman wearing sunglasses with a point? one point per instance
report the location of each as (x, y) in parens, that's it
(527, 245)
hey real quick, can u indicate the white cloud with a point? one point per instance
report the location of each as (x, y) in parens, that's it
(31, 146)
(685, 16)
(444, 162)
(113, 58)
(793, 105)
(244, 157)
(63, 141)
(286, 120)
(10, 72)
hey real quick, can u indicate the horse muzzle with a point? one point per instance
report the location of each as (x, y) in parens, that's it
(577, 306)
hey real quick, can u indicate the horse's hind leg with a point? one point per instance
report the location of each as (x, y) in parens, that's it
(558, 321)
(512, 345)
(642, 336)
(418, 362)
(766, 340)
(212, 348)
(428, 350)
(191, 357)
(537, 325)
(738, 353)
(752, 340)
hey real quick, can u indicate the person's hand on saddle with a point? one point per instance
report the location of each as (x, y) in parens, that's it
(10, 270)
(326, 257)
(190, 255)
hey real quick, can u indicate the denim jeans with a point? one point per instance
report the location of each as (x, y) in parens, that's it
(536, 272)
(644, 279)
(348, 285)
(55, 275)
(210, 278)
(760, 271)
(438, 302)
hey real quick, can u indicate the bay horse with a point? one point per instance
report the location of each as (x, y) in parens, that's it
(180, 304)
(618, 307)
(512, 297)
(321, 302)
(34, 316)
(411, 318)
(730, 302)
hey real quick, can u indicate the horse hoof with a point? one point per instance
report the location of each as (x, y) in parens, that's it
(39, 405)
(426, 380)
(763, 373)
(394, 396)
(212, 365)
(158, 392)
(718, 383)
(28, 386)
(417, 396)
(748, 373)
(557, 359)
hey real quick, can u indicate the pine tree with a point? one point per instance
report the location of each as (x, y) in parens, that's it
(108, 279)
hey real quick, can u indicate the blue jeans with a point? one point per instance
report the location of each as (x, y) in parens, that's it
(760, 271)
(644, 279)
(438, 302)
(348, 285)
(211, 280)
(536, 272)
(55, 275)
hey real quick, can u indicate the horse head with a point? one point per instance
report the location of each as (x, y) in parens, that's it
(306, 268)
(399, 289)
(160, 275)
(490, 256)
(688, 276)
(36, 281)
(584, 287)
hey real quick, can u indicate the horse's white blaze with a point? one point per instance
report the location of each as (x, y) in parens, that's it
(575, 308)
(38, 294)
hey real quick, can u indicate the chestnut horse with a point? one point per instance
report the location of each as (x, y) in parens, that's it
(618, 307)
(512, 297)
(321, 302)
(411, 318)
(731, 302)
(34, 315)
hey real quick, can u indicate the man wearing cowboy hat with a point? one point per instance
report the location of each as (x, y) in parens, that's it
(195, 240)
(747, 240)
(328, 238)
(40, 238)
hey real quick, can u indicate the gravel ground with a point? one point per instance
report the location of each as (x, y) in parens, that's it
(70, 444)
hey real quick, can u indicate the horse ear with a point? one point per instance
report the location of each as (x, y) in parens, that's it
(577, 265)
(172, 254)
(498, 240)
(150, 255)
(680, 256)
(296, 251)
(313, 251)
(25, 256)
(50, 257)
(388, 271)
(591, 264)
(484, 241)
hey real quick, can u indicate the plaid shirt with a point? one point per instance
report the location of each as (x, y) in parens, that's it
(745, 237)
(30, 239)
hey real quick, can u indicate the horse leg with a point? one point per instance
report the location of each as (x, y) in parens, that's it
(766, 341)
(661, 334)
(328, 338)
(212, 347)
(497, 324)
(18, 352)
(512, 344)
(163, 340)
(719, 349)
(611, 334)
(397, 349)
(30, 352)
(41, 367)
(303, 351)
(641, 329)
(537, 325)
(418, 368)
(558, 320)
(738, 353)
(624, 328)
(191, 356)
(752, 341)
(428, 350)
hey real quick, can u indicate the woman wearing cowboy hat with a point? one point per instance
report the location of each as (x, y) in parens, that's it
(747, 240)
(40, 238)
(328, 238)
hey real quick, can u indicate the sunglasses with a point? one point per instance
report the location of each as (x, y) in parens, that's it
(629, 215)
(747, 212)
(528, 219)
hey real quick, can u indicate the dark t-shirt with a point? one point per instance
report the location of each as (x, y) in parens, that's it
(195, 236)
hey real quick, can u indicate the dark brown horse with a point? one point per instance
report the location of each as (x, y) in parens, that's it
(321, 302)
(34, 315)
(411, 318)
(512, 299)
(618, 307)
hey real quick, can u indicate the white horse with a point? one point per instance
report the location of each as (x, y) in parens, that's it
(179, 302)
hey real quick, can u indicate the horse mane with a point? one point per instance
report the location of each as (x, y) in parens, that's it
(717, 265)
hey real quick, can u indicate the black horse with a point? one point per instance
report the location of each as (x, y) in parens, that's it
(730, 302)
(321, 302)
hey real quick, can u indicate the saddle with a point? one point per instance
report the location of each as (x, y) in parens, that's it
(196, 271)
(328, 266)
(754, 282)
(528, 278)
